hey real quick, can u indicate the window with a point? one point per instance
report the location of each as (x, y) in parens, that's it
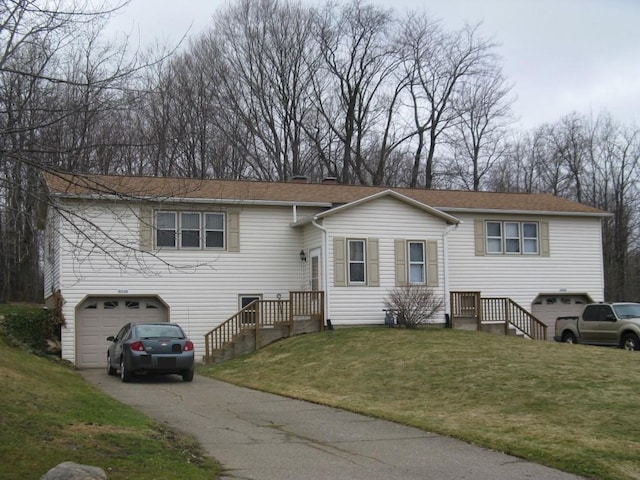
(494, 237)
(166, 229)
(195, 230)
(416, 262)
(248, 314)
(512, 238)
(356, 260)
(189, 230)
(530, 237)
(214, 230)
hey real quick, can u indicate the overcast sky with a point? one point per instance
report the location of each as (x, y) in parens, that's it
(561, 55)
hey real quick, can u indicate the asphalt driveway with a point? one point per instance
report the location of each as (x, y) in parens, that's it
(257, 435)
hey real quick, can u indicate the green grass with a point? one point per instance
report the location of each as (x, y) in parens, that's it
(49, 414)
(571, 407)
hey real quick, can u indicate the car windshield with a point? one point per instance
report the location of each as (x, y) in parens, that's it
(630, 310)
(151, 331)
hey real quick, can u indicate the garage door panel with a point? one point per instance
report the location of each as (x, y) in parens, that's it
(98, 318)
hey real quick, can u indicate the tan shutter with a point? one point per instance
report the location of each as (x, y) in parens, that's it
(233, 231)
(401, 262)
(479, 237)
(339, 262)
(545, 250)
(432, 263)
(373, 268)
(145, 218)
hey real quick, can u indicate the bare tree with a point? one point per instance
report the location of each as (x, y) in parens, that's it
(358, 62)
(478, 139)
(260, 55)
(437, 63)
(55, 78)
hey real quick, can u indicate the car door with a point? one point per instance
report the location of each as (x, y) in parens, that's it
(607, 328)
(596, 325)
(118, 343)
(589, 324)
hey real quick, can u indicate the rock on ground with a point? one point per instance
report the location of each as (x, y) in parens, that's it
(74, 471)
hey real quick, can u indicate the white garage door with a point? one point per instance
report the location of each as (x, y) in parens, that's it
(97, 318)
(546, 307)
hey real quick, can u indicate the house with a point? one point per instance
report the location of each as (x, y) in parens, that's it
(195, 252)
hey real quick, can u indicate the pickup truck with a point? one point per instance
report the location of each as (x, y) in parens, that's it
(611, 324)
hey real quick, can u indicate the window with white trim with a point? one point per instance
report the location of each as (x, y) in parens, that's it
(190, 230)
(416, 262)
(357, 261)
(166, 229)
(214, 230)
(512, 238)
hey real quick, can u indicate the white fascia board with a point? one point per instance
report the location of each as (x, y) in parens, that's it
(526, 212)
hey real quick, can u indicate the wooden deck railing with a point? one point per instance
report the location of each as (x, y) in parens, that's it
(266, 313)
(488, 309)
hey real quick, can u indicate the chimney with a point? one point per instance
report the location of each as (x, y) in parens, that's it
(329, 181)
(300, 179)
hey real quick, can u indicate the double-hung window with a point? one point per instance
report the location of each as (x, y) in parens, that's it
(357, 261)
(189, 230)
(166, 229)
(416, 262)
(214, 230)
(512, 238)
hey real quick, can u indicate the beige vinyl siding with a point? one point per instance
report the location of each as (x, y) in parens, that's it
(570, 260)
(200, 287)
(387, 220)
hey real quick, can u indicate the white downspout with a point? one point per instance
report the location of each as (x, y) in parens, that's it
(445, 261)
(325, 263)
(295, 213)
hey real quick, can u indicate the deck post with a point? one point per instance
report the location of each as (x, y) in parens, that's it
(256, 321)
(479, 312)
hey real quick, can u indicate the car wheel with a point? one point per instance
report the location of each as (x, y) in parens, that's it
(125, 374)
(568, 337)
(187, 375)
(110, 370)
(630, 342)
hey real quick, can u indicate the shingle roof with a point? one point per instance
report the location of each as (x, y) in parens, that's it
(68, 185)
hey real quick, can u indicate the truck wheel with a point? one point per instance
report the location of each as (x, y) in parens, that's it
(568, 337)
(630, 342)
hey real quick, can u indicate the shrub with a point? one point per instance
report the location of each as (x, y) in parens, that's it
(32, 328)
(414, 304)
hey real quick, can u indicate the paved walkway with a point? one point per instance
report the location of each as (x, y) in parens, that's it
(261, 436)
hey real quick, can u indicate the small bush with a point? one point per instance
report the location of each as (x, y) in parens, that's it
(414, 304)
(32, 328)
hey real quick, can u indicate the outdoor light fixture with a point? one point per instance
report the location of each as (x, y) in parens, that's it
(303, 256)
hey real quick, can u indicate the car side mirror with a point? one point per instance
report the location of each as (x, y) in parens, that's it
(610, 318)
(111, 338)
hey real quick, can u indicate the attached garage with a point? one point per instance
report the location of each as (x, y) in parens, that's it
(99, 317)
(548, 306)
